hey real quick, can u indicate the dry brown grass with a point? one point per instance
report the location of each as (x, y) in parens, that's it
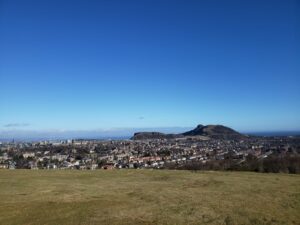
(147, 197)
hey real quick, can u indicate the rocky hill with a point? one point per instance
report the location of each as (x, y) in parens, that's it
(154, 135)
(215, 132)
(209, 131)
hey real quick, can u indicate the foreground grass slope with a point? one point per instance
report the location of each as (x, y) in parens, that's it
(147, 197)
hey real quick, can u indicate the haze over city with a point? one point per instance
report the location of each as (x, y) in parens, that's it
(109, 68)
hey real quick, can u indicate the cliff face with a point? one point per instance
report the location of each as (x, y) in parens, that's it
(196, 131)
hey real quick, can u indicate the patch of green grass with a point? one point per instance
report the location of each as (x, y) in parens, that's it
(147, 197)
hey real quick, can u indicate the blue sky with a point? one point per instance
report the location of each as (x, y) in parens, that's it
(88, 65)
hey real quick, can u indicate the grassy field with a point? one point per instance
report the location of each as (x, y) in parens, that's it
(147, 197)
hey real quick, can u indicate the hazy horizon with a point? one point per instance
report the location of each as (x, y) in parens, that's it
(113, 133)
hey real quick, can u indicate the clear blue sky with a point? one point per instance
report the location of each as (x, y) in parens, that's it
(84, 65)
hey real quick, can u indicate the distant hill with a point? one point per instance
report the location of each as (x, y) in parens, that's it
(209, 131)
(154, 135)
(215, 132)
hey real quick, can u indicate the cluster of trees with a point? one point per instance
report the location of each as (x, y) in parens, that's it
(289, 163)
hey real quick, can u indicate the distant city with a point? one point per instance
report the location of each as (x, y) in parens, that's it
(213, 147)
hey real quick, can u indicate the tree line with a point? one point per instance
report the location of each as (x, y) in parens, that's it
(288, 163)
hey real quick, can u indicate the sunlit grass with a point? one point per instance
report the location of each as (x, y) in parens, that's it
(147, 197)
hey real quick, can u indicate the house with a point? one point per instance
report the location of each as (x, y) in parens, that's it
(93, 166)
(60, 157)
(32, 165)
(82, 167)
(3, 165)
(108, 166)
(28, 154)
(11, 165)
(51, 166)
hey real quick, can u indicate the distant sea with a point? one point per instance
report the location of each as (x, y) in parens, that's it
(274, 133)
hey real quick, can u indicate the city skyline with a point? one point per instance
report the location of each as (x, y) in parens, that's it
(116, 65)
